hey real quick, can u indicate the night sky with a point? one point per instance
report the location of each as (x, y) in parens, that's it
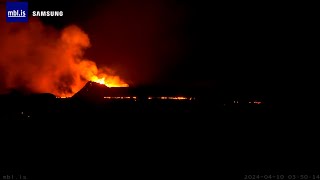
(234, 47)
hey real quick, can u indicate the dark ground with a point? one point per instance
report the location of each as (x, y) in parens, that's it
(148, 138)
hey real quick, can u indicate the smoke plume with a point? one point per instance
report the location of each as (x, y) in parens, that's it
(41, 59)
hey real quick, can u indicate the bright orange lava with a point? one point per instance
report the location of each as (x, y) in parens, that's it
(110, 81)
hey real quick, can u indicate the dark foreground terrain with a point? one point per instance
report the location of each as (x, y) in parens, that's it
(48, 137)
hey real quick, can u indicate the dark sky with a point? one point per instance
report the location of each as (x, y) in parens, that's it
(231, 46)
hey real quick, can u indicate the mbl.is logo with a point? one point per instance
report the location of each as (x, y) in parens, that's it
(17, 12)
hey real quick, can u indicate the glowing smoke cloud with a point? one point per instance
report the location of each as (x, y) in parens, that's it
(40, 59)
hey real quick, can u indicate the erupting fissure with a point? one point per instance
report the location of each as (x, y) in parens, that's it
(110, 82)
